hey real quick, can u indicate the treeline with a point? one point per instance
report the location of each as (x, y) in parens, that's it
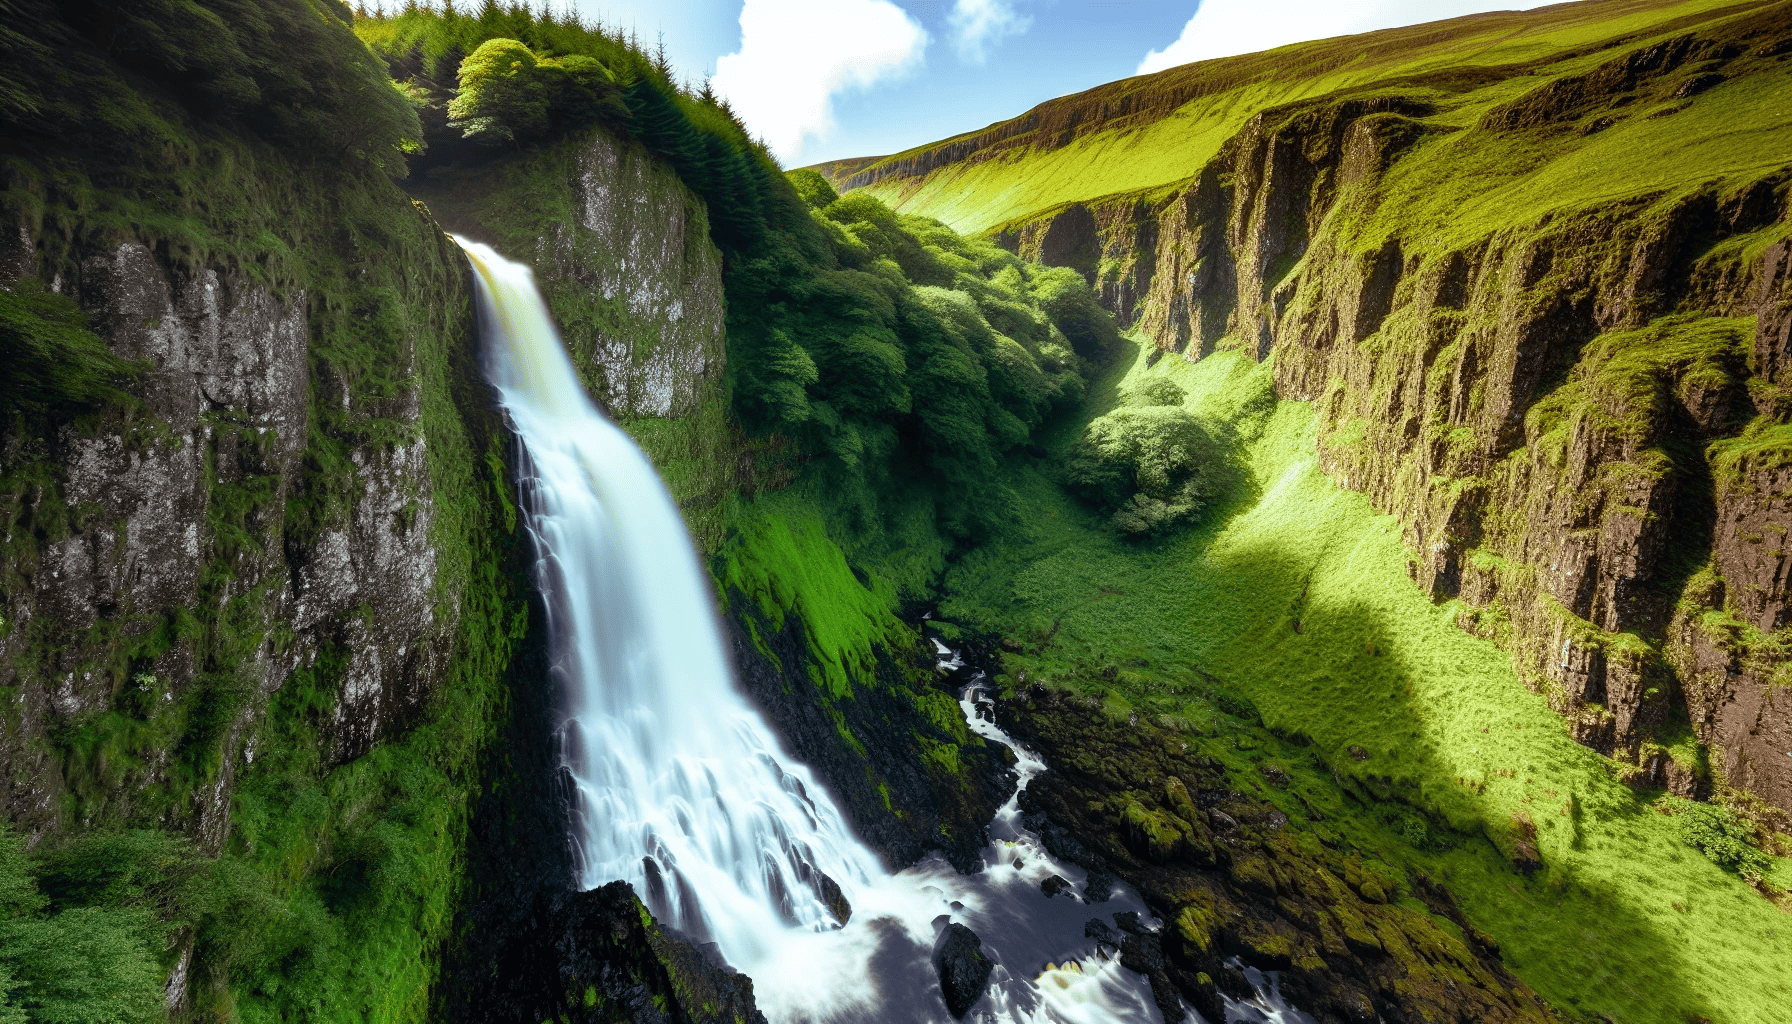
(899, 356)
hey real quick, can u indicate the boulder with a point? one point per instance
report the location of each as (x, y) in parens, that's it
(963, 968)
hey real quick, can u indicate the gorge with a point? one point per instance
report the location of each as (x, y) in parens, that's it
(1291, 537)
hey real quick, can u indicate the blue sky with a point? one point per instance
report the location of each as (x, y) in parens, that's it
(824, 79)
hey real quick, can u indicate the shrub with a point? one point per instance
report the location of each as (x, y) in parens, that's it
(1724, 836)
(51, 357)
(814, 189)
(1152, 469)
(73, 963)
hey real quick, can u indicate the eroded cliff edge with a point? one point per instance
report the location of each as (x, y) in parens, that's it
(1577, 412)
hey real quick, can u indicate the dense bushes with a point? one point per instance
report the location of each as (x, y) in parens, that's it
(508, 94)
(900, 355)
(1151, 464)
(1724, 836)
(83, 950)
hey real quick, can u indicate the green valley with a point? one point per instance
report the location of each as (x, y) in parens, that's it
(1360, 471)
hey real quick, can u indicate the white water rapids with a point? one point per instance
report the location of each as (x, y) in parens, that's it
(686, 793)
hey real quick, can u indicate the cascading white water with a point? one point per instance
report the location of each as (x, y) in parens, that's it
(683, 790)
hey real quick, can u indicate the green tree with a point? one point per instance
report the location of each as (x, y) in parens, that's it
(504, 95)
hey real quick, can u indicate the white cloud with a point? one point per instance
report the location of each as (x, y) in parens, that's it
(978, 24)
(1221, 28)
(796, 54)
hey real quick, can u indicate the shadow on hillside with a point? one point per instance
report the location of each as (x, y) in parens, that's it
(1334, 677)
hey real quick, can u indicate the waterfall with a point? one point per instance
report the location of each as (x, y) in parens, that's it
(684, 791)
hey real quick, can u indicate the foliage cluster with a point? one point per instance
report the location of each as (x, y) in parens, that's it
(1723, 835)
(81, 951)
(50, 355)
(1152, 464)
(904, 357)
(509, 94)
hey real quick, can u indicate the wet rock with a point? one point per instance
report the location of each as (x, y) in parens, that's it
(962, 966)
(835, 900)
(1099, 888)
(1128, 922)
(610, 955)
(1055, 885)
(1101, 931)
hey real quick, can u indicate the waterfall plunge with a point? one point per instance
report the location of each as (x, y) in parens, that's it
(683, 790)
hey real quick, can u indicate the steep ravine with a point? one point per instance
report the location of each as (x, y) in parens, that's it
(1578, 416)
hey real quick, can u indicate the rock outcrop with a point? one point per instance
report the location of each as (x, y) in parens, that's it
(185, 556)
(962, 966)
(621, 250)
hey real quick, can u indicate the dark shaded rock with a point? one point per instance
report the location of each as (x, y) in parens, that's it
(950, 813)
(1099, 888)
(835, 900)
(610, 955)
(1101, 931)
(1055, 885)
(1318, 914)
(963, 967)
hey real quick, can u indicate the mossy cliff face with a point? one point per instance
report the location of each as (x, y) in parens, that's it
(1542, 313)
(128, 527)
(621, 250)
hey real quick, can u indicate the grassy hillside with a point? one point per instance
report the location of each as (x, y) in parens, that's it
(1153, 133)
(1426, 746)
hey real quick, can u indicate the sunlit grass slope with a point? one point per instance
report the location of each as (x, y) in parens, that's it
(1296, 596)
(1155, 132)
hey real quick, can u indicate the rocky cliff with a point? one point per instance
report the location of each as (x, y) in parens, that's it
(1568, 386)
(256, 507)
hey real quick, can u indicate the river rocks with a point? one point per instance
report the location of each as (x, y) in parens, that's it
(963, 967)
(1055, 885)
(1348, 944)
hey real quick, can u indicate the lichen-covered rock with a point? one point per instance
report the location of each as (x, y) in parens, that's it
(184, 501)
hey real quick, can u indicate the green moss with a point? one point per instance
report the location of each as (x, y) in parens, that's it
(780, 558)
